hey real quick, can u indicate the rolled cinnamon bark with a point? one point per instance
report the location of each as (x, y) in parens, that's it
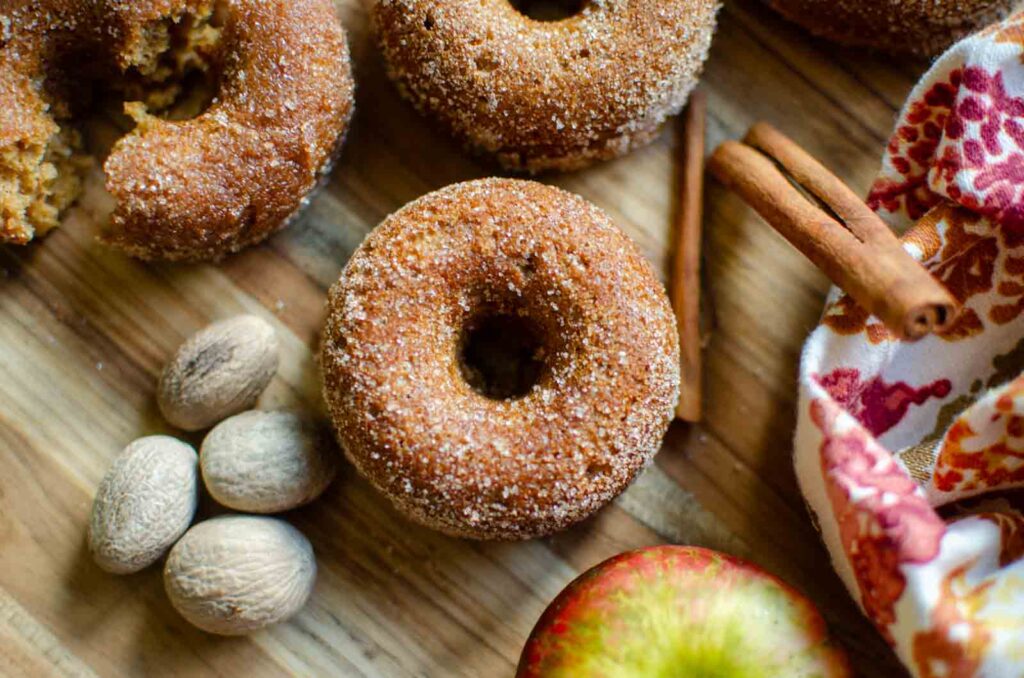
(685, 287)
(863, 257)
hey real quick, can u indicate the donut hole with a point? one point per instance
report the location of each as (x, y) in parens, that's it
(549, 10)
(172, 67)
(501, 355)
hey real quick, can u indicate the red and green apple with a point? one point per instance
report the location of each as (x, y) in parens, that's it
(680, 612)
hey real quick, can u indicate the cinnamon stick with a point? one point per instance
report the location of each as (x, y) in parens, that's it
(685, 281)
(860, 253)
(827, 187)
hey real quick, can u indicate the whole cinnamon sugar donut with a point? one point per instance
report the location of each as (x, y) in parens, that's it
(197, 188)
(922, 27)
(542, 95)
(425, 321)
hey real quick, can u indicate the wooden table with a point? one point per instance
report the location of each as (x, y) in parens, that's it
(85, 331)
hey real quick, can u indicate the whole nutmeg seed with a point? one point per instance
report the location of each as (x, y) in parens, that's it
(219, 371)
(266, 462)
(236, 574)
(144, 503)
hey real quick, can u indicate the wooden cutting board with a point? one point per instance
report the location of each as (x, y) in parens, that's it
(85, 331)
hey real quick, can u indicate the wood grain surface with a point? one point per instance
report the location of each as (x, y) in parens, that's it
(85, 331)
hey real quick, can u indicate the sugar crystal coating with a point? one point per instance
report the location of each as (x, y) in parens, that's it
(542, 95)
(922, 27)
(454, 459)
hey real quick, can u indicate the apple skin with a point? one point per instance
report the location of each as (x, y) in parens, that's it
(680, 612)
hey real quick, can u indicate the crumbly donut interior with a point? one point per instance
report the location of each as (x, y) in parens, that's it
(39, 179)
(172, 66)
(170, 71)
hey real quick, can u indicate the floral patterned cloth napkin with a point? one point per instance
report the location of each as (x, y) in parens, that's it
(897, 441)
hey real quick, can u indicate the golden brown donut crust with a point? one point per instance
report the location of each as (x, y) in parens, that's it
(920, 27)
(451, 458)
(546, 95)
(213, 184)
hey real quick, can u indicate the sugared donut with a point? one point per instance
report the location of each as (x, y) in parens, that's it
(423, 325)
(922, 27)
(542, 95)
(197, 188)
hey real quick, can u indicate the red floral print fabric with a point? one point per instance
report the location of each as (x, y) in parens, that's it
(889, 431)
